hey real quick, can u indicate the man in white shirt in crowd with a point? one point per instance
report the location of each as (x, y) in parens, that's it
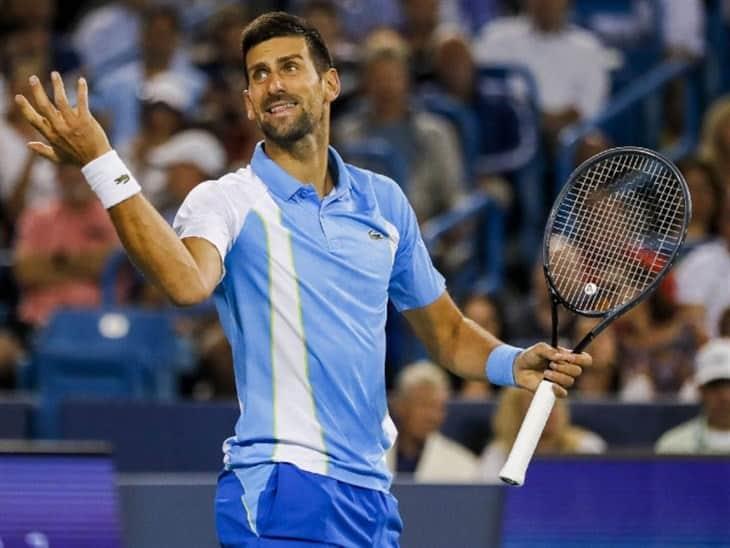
(703, 278)
(710, 431)
(570, 66)
(419, 409)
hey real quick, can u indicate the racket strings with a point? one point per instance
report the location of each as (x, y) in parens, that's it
(615, 230)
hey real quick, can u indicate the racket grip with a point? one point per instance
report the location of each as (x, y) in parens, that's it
(513, 471)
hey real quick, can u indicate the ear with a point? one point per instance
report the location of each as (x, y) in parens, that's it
(249, 105)
(332, 84)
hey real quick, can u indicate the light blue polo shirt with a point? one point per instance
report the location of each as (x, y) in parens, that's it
(303, 302)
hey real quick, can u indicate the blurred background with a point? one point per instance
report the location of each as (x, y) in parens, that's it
(480, 110)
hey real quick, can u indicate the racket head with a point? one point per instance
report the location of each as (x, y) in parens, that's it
(615, 230)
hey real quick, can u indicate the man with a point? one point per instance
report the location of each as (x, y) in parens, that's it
(703, 285)
(303, 252)
(419, 410)
(61, 249)
(710, 432)
(427, 145)
(570, 66)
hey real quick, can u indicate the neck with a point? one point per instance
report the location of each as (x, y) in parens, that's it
(306, 160)
(719, 423)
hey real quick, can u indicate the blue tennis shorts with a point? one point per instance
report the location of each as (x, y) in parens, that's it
(288, 507)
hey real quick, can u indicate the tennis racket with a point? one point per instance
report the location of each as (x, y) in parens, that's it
(612, 235)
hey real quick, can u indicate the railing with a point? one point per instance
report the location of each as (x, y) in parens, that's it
(490, 216)
(644, 92)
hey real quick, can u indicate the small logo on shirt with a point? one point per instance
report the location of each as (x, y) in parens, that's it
(122, 179)
(375, 235)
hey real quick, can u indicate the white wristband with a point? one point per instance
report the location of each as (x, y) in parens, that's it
(110, 179)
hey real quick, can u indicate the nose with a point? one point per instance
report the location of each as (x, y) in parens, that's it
(276, 84)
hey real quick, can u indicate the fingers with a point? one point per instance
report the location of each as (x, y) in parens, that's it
(42, 103)
(59, 95)
(82, 97)
(29, 113)
(568, 368)
(44, 150)
(557, 377)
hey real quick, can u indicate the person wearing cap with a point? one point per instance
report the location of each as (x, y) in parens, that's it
(188, 158)
(709, 432)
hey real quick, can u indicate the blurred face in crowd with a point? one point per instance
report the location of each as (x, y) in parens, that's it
(286, 95)
(548, 15)
(702, 193)
(422, 16)
(326, 23)
(420, 410)
(161, 119)
(716, 403)
(75, 191)
(455, 67)
(160, 38)
(387, 84)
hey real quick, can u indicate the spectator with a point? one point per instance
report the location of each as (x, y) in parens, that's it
(107, 36)
(657, 344)
(715, 145)
(324, 16)
(420, 21)
(117, 93)
(419, 408)
(560, 436)
(61, 250)
(599, 381)
(162, 115)
(189, 158)
(706, 196)
(569, 64)
(709, 432)
(221, 108)
(703, 283)
(529, 320)
(25, 179)
(427, 145)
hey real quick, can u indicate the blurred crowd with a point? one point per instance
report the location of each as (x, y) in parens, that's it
(166, 83)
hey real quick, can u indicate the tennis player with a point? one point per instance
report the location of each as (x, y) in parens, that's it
(302, 252)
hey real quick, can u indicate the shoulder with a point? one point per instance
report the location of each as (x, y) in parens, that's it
(447, 445)
(504, 29)
(589, 442)
(704, 255)
(430, 124)
(582, 38)
(679, 439)
(241, 187)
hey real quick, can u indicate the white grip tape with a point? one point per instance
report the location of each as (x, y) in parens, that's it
(513, 471)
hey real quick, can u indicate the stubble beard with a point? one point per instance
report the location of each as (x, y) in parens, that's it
(288, 136)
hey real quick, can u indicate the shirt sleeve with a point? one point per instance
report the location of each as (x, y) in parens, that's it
(205, 213)
(414, 282)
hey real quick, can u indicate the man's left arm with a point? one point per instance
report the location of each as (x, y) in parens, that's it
(460, 345)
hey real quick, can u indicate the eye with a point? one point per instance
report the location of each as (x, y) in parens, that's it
(291, 67)
(259, 75)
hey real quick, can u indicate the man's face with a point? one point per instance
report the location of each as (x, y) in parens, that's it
(548, 14)
(286, 96)
(387, 82)
(716, 403)
(421, 410)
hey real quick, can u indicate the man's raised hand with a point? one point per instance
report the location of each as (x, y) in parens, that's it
(73, 134)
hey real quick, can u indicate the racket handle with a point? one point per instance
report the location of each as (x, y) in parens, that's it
(513, 471)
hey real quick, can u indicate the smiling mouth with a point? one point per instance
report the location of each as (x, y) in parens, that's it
(280, 108)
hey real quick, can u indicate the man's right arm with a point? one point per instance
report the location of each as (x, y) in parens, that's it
(187, 270)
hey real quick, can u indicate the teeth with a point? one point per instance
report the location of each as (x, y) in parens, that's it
(279, 108)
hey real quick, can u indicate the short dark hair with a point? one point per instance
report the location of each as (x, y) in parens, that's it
(277, 24)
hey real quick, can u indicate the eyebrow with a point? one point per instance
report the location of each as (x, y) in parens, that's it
(279, 61)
